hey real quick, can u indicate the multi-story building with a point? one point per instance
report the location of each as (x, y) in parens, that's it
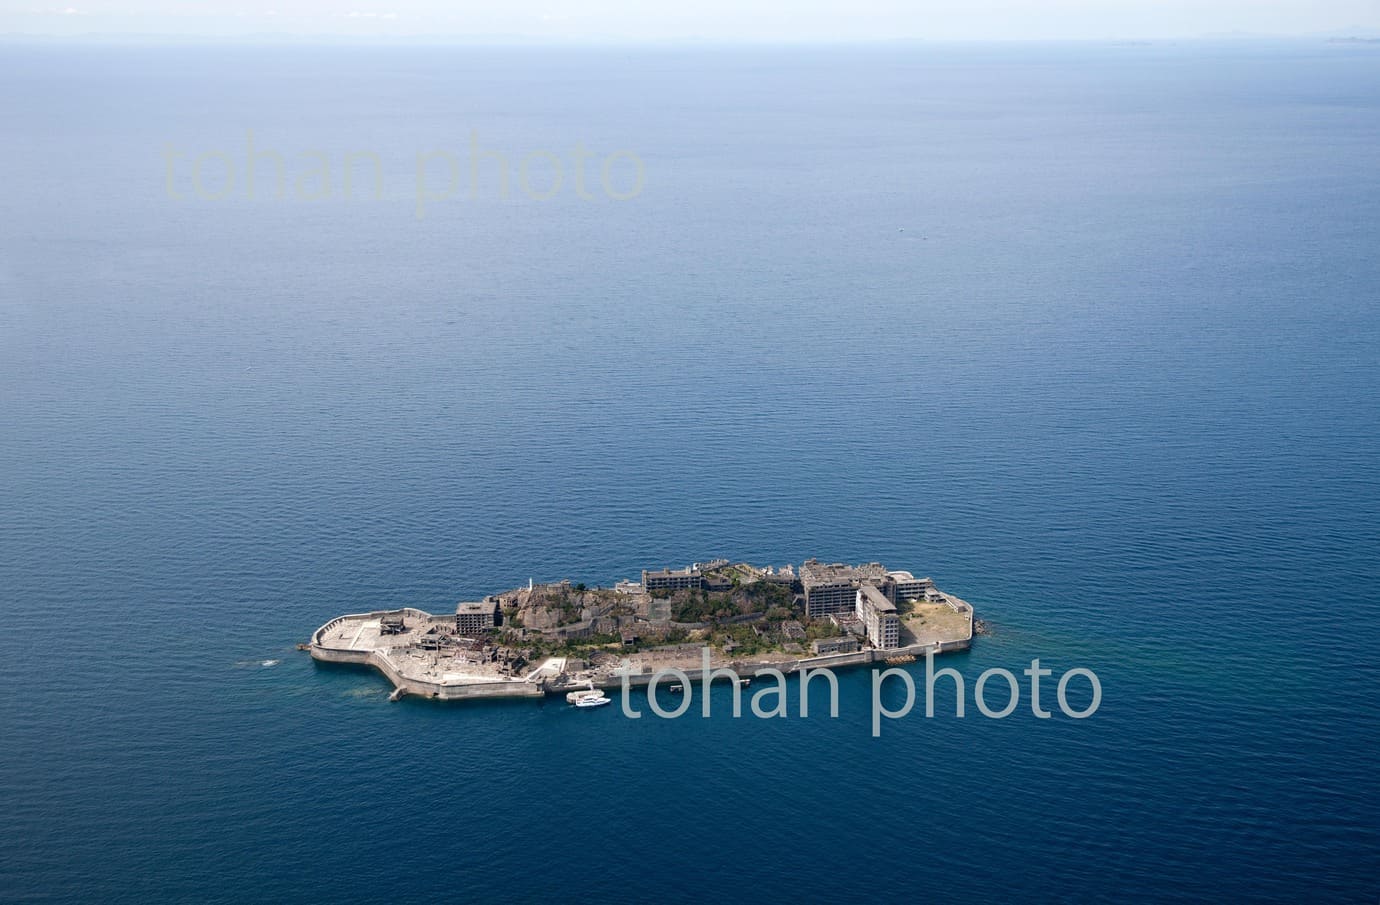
(473, 618)
(843, 645)
(672, 579)
(833, 587)
(879, 615)
(908, 587)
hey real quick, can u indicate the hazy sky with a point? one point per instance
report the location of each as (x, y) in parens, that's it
(699, 19)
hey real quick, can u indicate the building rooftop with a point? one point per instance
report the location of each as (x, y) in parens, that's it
(814, 572)
(672, 573)
(877, 599)
(479, 609)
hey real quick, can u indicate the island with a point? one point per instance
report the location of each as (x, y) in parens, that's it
(559, 638)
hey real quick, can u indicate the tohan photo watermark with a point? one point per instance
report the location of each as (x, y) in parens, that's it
(770, 701)
(256, 172)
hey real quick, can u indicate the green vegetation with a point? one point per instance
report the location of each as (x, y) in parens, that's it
(540, 647)
(698, 606)
(772, 601)
(766, 594)
(565, 602)
(821, 628)
(744, 599)
(746, 641)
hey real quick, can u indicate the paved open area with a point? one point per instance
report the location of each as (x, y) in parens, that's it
(353, 634)
(420, 647)
(933, 623)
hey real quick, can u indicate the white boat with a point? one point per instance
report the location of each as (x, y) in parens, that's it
(572, 697)
(592, 699)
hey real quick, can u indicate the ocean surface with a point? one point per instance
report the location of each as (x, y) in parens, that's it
(1090, 334)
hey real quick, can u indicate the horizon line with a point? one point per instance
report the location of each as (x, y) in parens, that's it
(1357, 36)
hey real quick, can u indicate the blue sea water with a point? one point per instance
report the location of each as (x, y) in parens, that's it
(1089, 334)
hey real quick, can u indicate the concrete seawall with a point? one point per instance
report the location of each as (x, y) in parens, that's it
(788, 667)
(511, 688)
(423, 689)
(408, 685)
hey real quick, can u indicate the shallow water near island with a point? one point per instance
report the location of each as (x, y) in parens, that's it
(1114, 384)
